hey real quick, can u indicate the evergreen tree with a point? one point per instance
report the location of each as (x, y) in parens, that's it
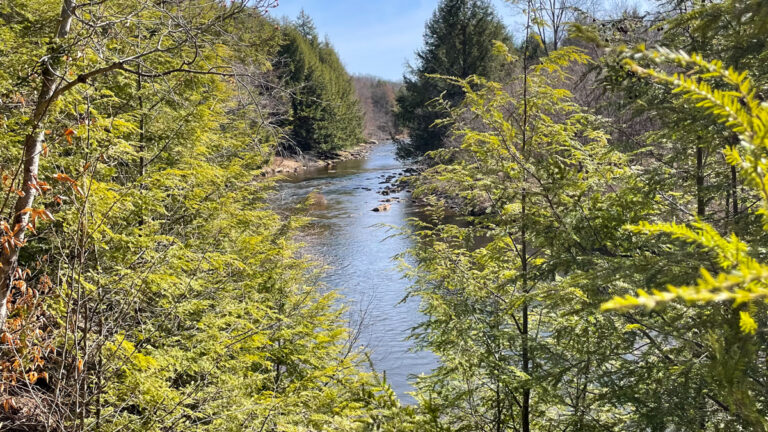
(522, 344)
(306, 26)
(679, 154)
(552, 210)
(325, 112)
(458, 42)
(735, 274)
(597, 281)
(155, 290)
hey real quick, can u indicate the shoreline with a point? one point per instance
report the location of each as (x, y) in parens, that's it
(294, 164)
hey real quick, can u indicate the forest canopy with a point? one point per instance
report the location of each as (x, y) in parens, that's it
(589, 252)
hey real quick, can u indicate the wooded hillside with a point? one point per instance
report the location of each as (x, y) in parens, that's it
(377, 99)
(325, 113)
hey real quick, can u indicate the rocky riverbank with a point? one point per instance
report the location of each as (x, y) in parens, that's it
(297, 163)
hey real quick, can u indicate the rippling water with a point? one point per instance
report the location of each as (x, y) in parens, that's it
(359, 253)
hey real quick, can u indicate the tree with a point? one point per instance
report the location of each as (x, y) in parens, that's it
(458, 42)
(741, 274)
(543, 244)
(551, 18)
(733, 31)
(680, 156)
(165, 295)
(58, 76)
(325, 111)
(514, 319)
(377, 98)
(306, 26)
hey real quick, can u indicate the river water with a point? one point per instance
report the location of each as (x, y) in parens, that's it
(349, 238)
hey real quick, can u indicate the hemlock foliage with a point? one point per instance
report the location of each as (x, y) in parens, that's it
(606, 270)
(155, 289)
(592, 255)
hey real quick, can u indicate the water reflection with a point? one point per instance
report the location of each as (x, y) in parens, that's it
(348, 238)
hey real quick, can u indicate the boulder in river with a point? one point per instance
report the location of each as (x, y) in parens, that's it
(382, 208)
(316, 201)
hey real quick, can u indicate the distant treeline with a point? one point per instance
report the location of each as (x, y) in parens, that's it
(327, 109)
(377, 99)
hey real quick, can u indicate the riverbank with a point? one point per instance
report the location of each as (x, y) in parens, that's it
(295, 164)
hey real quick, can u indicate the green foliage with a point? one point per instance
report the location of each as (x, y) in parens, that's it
(458, 42)
(736, 289)
(177, 298)
(306, 27)
(732, 30)
(518, 294)
(157, 291)
(738, 108)
(325, 111)
(511, 310)
(229, 330)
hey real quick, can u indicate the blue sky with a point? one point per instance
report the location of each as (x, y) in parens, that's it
(375, 37)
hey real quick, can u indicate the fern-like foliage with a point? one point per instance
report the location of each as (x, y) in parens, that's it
(731, 98)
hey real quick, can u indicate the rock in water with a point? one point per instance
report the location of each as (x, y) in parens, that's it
(382, 208)
(316, 201)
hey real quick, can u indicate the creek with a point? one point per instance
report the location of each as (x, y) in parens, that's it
(358, 248)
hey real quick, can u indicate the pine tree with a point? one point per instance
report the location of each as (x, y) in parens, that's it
(458, 42)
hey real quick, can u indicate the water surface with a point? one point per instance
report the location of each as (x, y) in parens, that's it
(347, 236)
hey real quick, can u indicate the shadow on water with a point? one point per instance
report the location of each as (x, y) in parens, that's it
(349, 238)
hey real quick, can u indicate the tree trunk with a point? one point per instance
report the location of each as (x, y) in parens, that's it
(734, 192)
(526, 410)
(701, 202)
(142, 146)
(33, 147)
(525, 360)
